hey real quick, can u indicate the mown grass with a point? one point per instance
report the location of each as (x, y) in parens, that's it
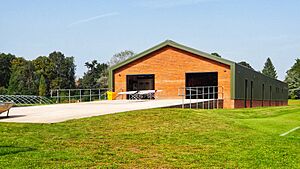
(158, 138)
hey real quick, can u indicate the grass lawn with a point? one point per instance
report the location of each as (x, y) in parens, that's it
(159, 138)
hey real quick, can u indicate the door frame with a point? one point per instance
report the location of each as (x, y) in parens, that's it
(128, 75)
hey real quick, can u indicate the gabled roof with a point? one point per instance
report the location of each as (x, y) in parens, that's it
(175, 45)
(178, 46)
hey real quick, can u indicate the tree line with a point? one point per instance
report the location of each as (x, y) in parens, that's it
(19, 76)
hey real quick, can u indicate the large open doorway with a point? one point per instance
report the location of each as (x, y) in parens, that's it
(140, 82)
(202, 85)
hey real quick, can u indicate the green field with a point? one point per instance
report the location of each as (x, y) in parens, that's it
(159, 138)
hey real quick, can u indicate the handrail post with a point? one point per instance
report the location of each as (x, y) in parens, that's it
(203, 97)
(57, 95)
(69, 96)
(99, 94)
(218, 98)
(80, 99)
(197, 97)
(213, 97)
(90, 95)
(208, 97)
(183, 97)
(190, 97)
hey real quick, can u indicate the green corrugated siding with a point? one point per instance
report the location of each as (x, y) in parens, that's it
(279, 89)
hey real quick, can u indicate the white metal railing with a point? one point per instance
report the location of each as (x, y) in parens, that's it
(202, 97)
(79, 95)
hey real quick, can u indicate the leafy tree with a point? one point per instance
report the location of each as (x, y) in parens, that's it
(70, 68)
(216, 54)
(3, 91)
(62, 74)
(23, 79)
(19, 76)
(269, 69)
(93, 78)
(44, 67)
(244, 63)
(5, 68)
(103, 80)
(42, 86)
(120, 57)
(293, 80)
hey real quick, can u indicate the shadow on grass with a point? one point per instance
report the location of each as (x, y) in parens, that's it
(8, 150)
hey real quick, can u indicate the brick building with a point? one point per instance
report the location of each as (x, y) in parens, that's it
(170, 66)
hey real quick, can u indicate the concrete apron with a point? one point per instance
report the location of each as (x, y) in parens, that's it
(63, 112)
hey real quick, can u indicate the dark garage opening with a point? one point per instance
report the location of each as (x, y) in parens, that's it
(140, 82)
(207, 80)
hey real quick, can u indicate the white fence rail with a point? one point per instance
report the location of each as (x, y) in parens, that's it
(78, 95)
(205, 97)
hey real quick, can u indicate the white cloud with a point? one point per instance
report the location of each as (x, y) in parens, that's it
(93, 18)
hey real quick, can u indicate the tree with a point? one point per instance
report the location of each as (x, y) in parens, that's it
(23, 78)
(244, 63)
(95, 75)
(120, 57)
(103, 80)
(269, 69)
(42, 86)
(20, 76)
(62, 74)
(44, 67)
(3, 91)
(293, 80)
(216, 54)
(5, 69)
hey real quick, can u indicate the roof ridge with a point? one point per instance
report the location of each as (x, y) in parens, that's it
(175, 45)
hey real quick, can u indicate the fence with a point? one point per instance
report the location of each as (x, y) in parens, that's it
(25, 99)
(78, 95)
(205, 97)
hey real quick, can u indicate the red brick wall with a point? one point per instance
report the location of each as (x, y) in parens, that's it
(169, 66)
(258, 103)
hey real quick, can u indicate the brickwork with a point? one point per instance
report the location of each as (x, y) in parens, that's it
(169, 66)
(259, 103)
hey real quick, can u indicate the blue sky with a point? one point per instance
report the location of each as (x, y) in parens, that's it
(250, 30)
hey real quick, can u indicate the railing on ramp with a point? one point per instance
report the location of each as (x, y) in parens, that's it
(205, 97)
(78, 95)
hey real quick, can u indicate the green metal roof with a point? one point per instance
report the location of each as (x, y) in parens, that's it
(175, 45)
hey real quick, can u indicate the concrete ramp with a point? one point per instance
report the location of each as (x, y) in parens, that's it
(63, 112)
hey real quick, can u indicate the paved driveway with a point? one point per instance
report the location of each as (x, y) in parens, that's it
(62, 112)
